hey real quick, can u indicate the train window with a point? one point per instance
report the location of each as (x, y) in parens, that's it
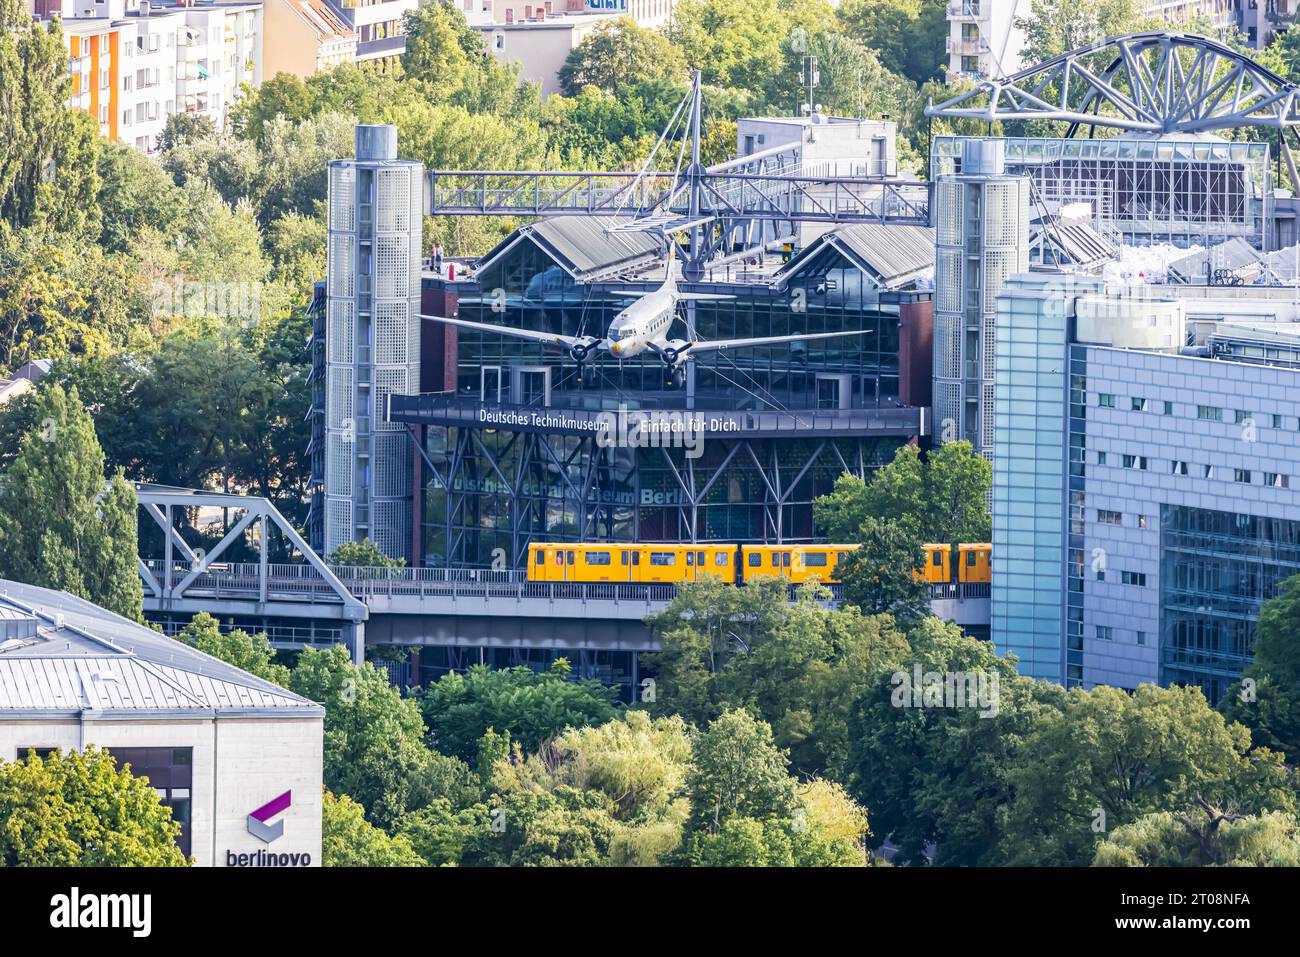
(938, 559)
(623, 557)
(573, 560)
(690, 559)
(755, 560)
(776, 559)
(663, 558)
(840, 556)
(814, 559)
(541, 557)
(970, 559)
(597, 558)
(785, 559)
(559, 558)
(720, 559)
(699, 559)
(636, 558)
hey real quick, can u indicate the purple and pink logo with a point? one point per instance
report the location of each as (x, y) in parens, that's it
(257, 825)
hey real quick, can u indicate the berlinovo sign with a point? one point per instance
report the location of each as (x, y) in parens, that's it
(264, 829)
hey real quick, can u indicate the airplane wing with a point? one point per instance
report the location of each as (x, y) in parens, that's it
(548, 338)
(702, 296)
(719, 344)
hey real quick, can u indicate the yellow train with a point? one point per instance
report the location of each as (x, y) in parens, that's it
(666, 562)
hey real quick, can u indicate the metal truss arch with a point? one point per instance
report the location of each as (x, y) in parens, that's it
(1151, 83)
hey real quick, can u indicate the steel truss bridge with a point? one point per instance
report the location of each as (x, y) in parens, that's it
(310, 603)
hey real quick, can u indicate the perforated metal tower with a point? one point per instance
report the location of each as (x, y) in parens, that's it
(981, 218)
(372, 338)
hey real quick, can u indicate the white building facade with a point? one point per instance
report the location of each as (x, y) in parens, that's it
(237, 759)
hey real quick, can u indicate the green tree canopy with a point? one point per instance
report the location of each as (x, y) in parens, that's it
(349, 840)
(1267, 700)
(530, 706)
(78, 809)
(1203, 836)
(252, 653)
(618, 53)
(61, 524)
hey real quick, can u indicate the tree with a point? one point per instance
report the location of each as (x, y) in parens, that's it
(182, 128)
(942, 497)
(252, 653)
(365, 554)
(619, 53)
(734, 43)
(1055, 26)
(349, 840)
(737, 771)
(1203, 836)
(1267, 699)
(934, 773)
(1107, 758)
(530, 706)
(880, 576)
(907, 35)
(47, 163)
(852, 81)
(61, 524)
(79, 809)
(135, 194)
(374, 738)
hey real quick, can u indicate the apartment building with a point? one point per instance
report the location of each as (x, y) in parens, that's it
(134, 62)
(378, 25)
(654, 14)
(985, 40)
(306, 37)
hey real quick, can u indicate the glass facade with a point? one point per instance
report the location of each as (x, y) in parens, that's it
(526, 289)
(511, 488)
(1030, 464)
(1217, 569)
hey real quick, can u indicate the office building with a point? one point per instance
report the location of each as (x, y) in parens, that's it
(1145, 501)
(222, 748)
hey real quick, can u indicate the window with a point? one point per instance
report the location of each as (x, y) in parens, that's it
(1169, 407)
(814, 560)
(572, 556)
(755, 560)
(1142, 637)
(1142, 521)
(41, 753)
(1208, 471)
(721, 559)
(1135, 461)
(1277, 480)
(1241, 475)
(170, 772)
(1133, 578)
(663, 558)
(1180, 468)
(1106, 400)
(597, 558)
(1104, 633)
(1211, 413)
(1101, 458)
(1139, 404)
(541, 557)
(1107, 517)
(1241, 417)
(1277, 421)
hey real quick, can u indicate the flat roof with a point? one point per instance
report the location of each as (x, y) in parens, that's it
(63, 655)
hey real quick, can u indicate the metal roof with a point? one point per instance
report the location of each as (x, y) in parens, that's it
(584, 246)
(76, 656)
(1235, 256)
(894, 255)
(1076, 243)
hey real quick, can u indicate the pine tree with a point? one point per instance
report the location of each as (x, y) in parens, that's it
(61, 524)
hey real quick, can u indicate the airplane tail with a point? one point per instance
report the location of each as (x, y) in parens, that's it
(670, 282)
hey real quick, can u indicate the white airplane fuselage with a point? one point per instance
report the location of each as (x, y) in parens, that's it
(645, 321)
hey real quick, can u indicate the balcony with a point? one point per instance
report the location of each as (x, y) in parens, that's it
(964, 10)
(967, 46)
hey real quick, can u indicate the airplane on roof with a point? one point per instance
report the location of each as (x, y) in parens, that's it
(643, 327)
